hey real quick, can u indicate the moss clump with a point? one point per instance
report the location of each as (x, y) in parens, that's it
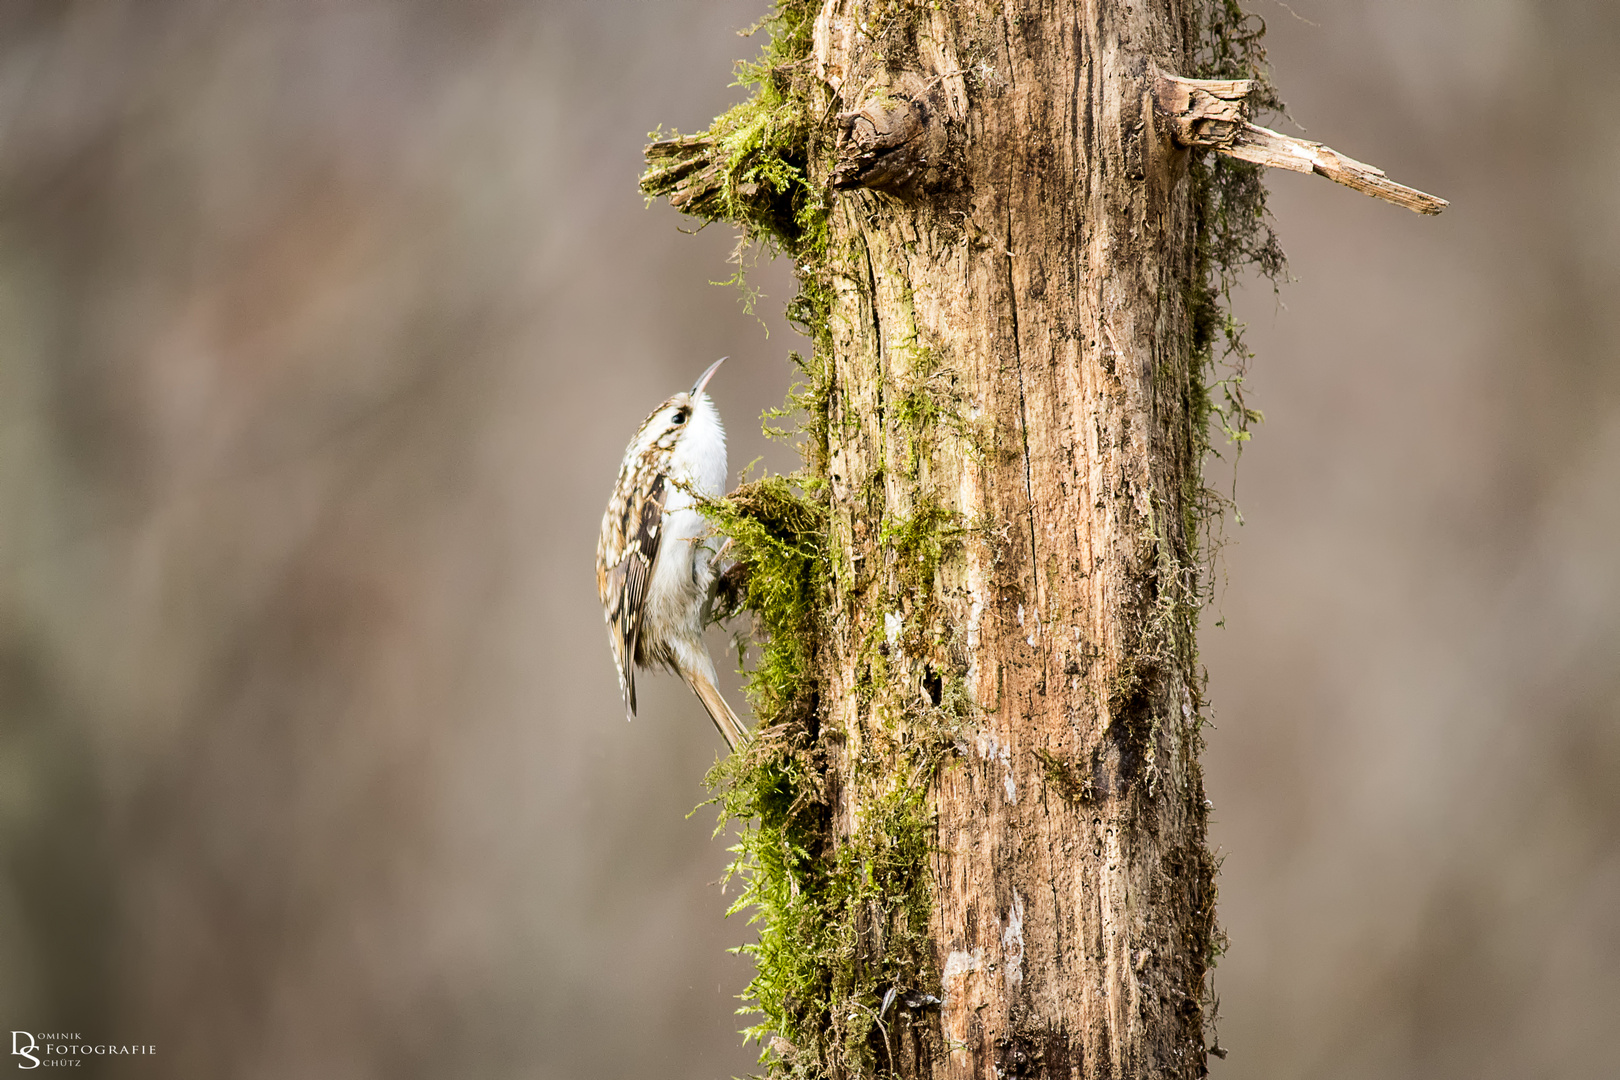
(1067, 779)
(926, 401)
(839, 928)
(842, 920)
(779, 543)
(751, 167)
(919, 541)
(800, 893)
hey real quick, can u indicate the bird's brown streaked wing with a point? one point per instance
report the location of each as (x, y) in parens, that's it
(626, 585)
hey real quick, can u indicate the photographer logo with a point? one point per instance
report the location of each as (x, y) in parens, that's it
(66, 1049)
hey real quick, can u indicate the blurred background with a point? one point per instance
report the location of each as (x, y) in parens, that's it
(323, 326)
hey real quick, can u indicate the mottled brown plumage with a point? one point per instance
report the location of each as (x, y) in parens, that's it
(655, 558)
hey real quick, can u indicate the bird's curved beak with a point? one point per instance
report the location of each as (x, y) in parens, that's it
(703, 380)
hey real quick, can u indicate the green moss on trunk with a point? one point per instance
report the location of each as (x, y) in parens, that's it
(842, 920)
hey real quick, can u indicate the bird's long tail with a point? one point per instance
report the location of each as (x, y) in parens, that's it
(702, 683)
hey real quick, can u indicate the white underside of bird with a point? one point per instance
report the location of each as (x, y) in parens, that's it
(683, 574)
(655, 561)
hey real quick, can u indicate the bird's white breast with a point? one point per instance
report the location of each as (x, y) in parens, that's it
(684, 574)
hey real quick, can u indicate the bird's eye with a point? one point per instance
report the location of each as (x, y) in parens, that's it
(680, 416)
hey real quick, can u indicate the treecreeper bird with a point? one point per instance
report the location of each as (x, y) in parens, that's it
(655, 561)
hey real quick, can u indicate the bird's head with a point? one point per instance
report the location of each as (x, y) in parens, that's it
(690, 410)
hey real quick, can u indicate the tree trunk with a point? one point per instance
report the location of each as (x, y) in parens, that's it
(1041, 309)
(1010, 876)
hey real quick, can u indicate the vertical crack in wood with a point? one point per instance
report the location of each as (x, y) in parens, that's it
(1023, 430)
(877, 326)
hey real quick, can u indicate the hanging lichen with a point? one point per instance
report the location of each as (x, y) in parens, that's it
(1232, 236)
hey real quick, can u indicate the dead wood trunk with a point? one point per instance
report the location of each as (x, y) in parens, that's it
(1012, 358)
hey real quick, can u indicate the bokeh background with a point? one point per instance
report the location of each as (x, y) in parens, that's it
(323, 326)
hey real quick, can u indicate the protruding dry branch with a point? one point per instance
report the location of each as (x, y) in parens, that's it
(687, 169)
(1214, 113)
(1266, 147)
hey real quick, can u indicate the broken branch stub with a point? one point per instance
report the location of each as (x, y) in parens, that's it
(881, 146)
(894, 142)
(1214, 113)
(689, 171)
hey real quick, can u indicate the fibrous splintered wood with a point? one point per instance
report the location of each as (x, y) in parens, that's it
(1214, 113)
(687, 169)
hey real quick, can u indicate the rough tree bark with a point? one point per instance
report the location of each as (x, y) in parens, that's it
(997, 231)
(1073, 904)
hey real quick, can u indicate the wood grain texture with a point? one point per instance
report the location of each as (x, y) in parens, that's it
(1040, 299)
